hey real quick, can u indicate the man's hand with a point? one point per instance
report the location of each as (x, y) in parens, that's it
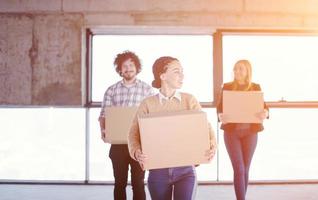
(103, 136)
(102, 125)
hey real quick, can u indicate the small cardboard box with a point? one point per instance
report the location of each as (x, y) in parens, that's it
(174, 139)
(118, 121)
(242, 106)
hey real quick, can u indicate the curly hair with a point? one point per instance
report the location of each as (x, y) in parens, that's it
(126, 55)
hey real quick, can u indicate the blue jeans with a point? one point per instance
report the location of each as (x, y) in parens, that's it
(240, 146)
(178, 181)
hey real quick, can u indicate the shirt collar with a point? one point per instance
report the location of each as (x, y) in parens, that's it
(162, 98)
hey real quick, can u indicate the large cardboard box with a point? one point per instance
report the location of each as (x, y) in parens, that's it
(242, 106)
(118, 121)
(174, 139)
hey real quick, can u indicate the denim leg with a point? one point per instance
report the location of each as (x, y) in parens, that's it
(159, 184)
(234, 149)
(120, 163)
(184, 184)
(137, 180)
(181, 181)
(249, 143)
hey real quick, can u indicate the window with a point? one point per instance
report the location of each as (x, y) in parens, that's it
(286, 149)
(100, 164)
(49, 143)
(285, 66)
(193, 51)
(42, 144)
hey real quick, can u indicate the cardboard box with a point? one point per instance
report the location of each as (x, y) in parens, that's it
(242, 106)
(174, 139)
(118, 121)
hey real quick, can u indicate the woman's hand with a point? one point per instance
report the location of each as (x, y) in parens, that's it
(223, 118)
(140, 157)
(209, 154)
(262, 115)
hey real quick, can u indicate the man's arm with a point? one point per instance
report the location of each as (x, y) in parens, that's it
(102, 128)
(102, 123)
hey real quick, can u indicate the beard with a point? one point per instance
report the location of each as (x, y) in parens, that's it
(129, 75)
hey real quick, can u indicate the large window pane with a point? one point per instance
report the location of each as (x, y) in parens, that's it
(285, 66)
(42, 144)
(100, 163)
(286, 150)
(193, 51)
(208, 172)
(100, 166)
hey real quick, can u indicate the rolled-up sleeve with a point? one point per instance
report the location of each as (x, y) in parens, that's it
(107, 101)
(195, 105)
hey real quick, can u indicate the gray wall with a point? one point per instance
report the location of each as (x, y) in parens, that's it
(41, 45)
(40, 59)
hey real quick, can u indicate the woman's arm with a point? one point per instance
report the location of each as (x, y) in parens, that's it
(265, 113)
(213, 146)
(219, 106)
(219, 102)
(134, 144)
(195, 105)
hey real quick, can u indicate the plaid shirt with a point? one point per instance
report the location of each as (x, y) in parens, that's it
(121, 95)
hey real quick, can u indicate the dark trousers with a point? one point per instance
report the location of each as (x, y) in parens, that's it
(121, 160)
(240, 146)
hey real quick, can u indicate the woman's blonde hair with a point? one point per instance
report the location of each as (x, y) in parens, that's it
(248, 78)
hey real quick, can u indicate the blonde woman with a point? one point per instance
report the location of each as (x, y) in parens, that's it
(176, 183)
(241, 138)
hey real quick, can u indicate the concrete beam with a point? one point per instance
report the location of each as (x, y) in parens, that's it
(152, 5)
(30, 5)
(304, 7)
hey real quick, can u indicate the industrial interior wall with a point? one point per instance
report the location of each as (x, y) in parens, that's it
(41, 45)
(40, 59)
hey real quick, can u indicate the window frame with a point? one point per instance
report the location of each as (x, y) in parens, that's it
(218, 59)
(217, 77)
(136, 30)
(217, 37)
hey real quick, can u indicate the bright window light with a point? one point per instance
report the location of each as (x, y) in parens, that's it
(285, 66)
(42, 144)
(193, 51)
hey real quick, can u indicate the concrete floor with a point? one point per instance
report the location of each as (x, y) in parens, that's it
(204, 192)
